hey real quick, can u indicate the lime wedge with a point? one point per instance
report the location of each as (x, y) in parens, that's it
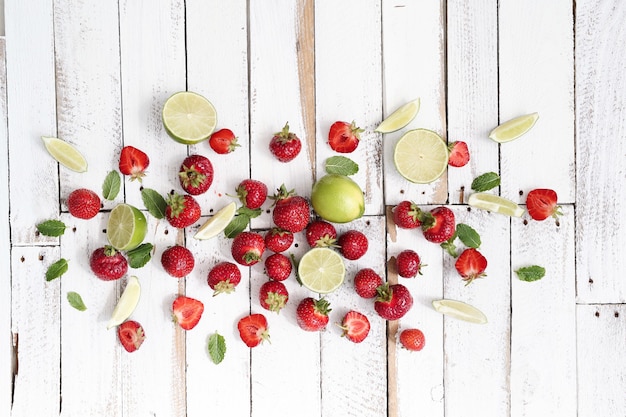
(127, 302)
(189, 118)
(217, 223)
(495, 204)
(421, 156)
(126, 228)
(460, 310)
(65, 154)
(514, 128)
(321, 270)
(400, 117)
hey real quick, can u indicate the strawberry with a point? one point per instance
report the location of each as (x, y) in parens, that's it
(131, 335)
(224, 277)
(393, 301)
(355, 326)
(344, 137)
(196, 174)
(471, 264)
(178, 261)
(223, 141)
(285, 145)
(406, 215)
(273, 296)
(412, 339)
(253, 329)
(108, 264)
(312, 314)
(291, 212)
(247, 248)
(542, 203)
(278, 267)
(187, 311)
(353, 244)
(366, 281)
(459, 154)
(182, 210)
(320, 234)
(133, 162)
(438, 225)
(252, 193)
(83, 203)
(278, 240)
(408, 264)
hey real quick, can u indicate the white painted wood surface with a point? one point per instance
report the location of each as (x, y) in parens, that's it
(97, 73)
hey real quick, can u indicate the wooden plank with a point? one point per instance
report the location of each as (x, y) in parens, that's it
(600, 150)
(601, 366)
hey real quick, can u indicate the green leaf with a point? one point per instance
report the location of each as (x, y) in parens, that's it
(485, 182)
(468, 235)
(51, 228)
(154, 202)
(111, 185)
(531, 273)
(295, 263)
(341, 165)
(217, 348)
(76, 301)
(237, 225)
(251, 213)
(140, 256)
(56, 269)
(449, 246)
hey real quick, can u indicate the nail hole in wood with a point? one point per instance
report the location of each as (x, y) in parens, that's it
(74, 229)
(521, 192)
(22, 259)
(525, 222)
(401, 191)
(558, 223)
(367, 223)
(591, 280)
(597, 314)
(104, 230)
(469, 208)
(166, 231)
(617, 314)
(295, 244)
(41, 257)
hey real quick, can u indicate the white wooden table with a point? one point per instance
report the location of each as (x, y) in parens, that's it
(96, 74)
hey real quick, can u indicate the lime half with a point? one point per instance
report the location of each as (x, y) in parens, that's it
(126, 228)
(188, 117)
(460, 310)
(400, 117)
(217, 223)
(127, 302)
(321, 270)
(421, 156)
(514, 128)
(65, 154)
(495, 204)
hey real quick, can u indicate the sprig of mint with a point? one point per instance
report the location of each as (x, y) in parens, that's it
(468, 235)
(111, 185)
(140, 256)
(217, 347)
(449, 246)
(531, 273)
(57, 269)
(486, 182)
(51, 228)
(76, 301)
(239, 223)
(341, 165)
(154, 202)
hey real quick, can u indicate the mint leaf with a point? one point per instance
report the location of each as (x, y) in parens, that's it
(111, 185)
(295, 264)
(140, 256)
(237, 225)
(56, 269)
(76, 301)
(154, 202)
(51, 228)
(486, 181)
(531, 273)
(217, 348)
(449, 246)
(468, 235)
(251, 213)
(341, 165)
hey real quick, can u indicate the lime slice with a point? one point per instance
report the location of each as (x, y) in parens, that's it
(189, 118)
(65, 154)
(421, 156)
(460, 310)
(321, 270)
(127, 302)
(400, 118)
(127, 227)
(514, 128)
(495, 204)
(217, 223)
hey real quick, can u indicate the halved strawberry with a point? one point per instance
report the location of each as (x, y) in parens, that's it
(253, 329)
(344, 137)
(355, 326)
(131, 335)
(541, 203)
(459, 154)
(471, 264)
(187, 311)
(133, 162)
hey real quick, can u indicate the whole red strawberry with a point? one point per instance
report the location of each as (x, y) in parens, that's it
(178, 261)
(541, 203)
(408, 264)
(108, 264)
(366, 281)
(355, 326)
(291, 212)
(252, 193)
(353, 244)
(223, 141)
(224, 277)
(278, 267)
(393, 301)
(285, 145)
(344, 137)
(273, 296)
(133, 162)
(321, 234)
(253, 329)
(83, 203)
(196, 174)
(187, 311)
(471, 264)
(131, 335)
(312, 314)
(438, 225)
(406, 215)
(182, 210)
(459, 154)
(412, 339)
(278, 240)
(247, 248)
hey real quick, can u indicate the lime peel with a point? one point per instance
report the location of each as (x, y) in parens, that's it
(401, 117)
(65, 153)
(127, 227)
(460, 310)
(127, 303)
(495, 204)
(217, 223)
(514, 128)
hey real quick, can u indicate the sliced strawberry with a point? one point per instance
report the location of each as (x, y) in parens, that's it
(133, 162)
(253, 329)
(344, 137)
(471, 264)
(355, 326)
(459, 154)
(187, 311)
(541, 203)
(131, 335)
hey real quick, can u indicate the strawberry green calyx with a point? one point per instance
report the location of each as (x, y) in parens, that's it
(276, 301)
(356, 131)
(285, 135)
(109, 250)
(322, 306)
(191, 177)
(176, 203)
(384, 293)
(251, 257)
(223, 287)
(282, 194)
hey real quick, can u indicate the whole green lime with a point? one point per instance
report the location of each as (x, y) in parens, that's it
(337, 199)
